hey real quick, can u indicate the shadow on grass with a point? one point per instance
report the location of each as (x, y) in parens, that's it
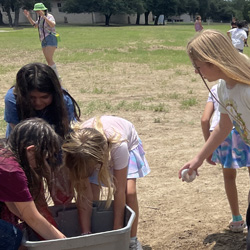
(227, 240)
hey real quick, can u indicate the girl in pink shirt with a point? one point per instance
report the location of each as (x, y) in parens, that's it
(109, 151)
(197, 25)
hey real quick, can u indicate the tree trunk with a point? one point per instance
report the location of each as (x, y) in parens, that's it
(16, 21)
(138, 19)
(146, 14)
(107, 19)
(9, 18)
(156, 20)
(1, 18)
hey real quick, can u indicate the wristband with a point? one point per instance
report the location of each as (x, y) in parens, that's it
(33, 24)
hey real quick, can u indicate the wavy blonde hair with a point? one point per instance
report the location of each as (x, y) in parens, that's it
(213, 47)
(84, 149)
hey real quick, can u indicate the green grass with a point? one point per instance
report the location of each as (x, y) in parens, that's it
(187, 103)
(99, 48)
(159, 46)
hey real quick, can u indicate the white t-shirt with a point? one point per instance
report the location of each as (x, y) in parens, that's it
(129, 136)
(237, 104)
(216, 114)
(238, 36)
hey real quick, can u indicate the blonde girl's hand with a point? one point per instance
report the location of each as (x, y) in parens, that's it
(26, 13)
(209, 160)
(192, 165)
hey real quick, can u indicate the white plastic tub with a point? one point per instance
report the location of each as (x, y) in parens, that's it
(103, 237)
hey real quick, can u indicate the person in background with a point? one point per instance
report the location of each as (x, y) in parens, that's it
(197, 25)
(231, 155)
(246, 28)
(238, 36)
(95, 148)
(47, 33)
(24, 165)
(233, 23)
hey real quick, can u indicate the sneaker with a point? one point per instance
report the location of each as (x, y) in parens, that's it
(237, 226)
(135, 245)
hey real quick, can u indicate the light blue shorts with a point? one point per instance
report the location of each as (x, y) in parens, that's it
(49, 40)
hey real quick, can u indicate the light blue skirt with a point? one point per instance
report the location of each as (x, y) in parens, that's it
(233, 152)
(137, 165)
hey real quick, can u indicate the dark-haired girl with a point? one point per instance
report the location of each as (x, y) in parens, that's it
(46, 28)
(23, 167)
(38, 93)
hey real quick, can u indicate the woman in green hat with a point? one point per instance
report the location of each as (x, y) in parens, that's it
(46, 27)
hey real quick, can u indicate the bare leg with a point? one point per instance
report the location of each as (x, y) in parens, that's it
(231, 189)
(49, 53)
(132, 202)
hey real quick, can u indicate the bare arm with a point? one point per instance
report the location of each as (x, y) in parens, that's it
(36, 221)
(216, 138)
(201, 25)
(84, 207)
(120, 179)
(205, 125)
(12, 125)
(27, 14)
(13, 209)
(205, 119)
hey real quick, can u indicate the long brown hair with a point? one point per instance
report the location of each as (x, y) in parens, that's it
(41, 77)
(47, 144)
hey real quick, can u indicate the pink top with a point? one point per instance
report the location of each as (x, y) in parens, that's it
(198, 26)
(112, 125)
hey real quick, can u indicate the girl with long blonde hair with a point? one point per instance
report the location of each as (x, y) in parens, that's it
(106, 151)
(214, 58)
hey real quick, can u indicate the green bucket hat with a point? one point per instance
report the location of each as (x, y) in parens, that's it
(39, 6)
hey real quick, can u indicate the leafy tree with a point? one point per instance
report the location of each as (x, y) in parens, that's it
(15, 5)
(192, 7)
(203, 8)
(148, 6)
(220, 11)
(165, 7)
(105, 7)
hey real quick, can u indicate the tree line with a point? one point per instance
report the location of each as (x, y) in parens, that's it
(216, 10)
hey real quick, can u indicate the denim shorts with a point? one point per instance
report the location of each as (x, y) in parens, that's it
(49, 40)
(10, 236)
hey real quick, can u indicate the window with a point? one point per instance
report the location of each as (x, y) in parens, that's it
(59, 5)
